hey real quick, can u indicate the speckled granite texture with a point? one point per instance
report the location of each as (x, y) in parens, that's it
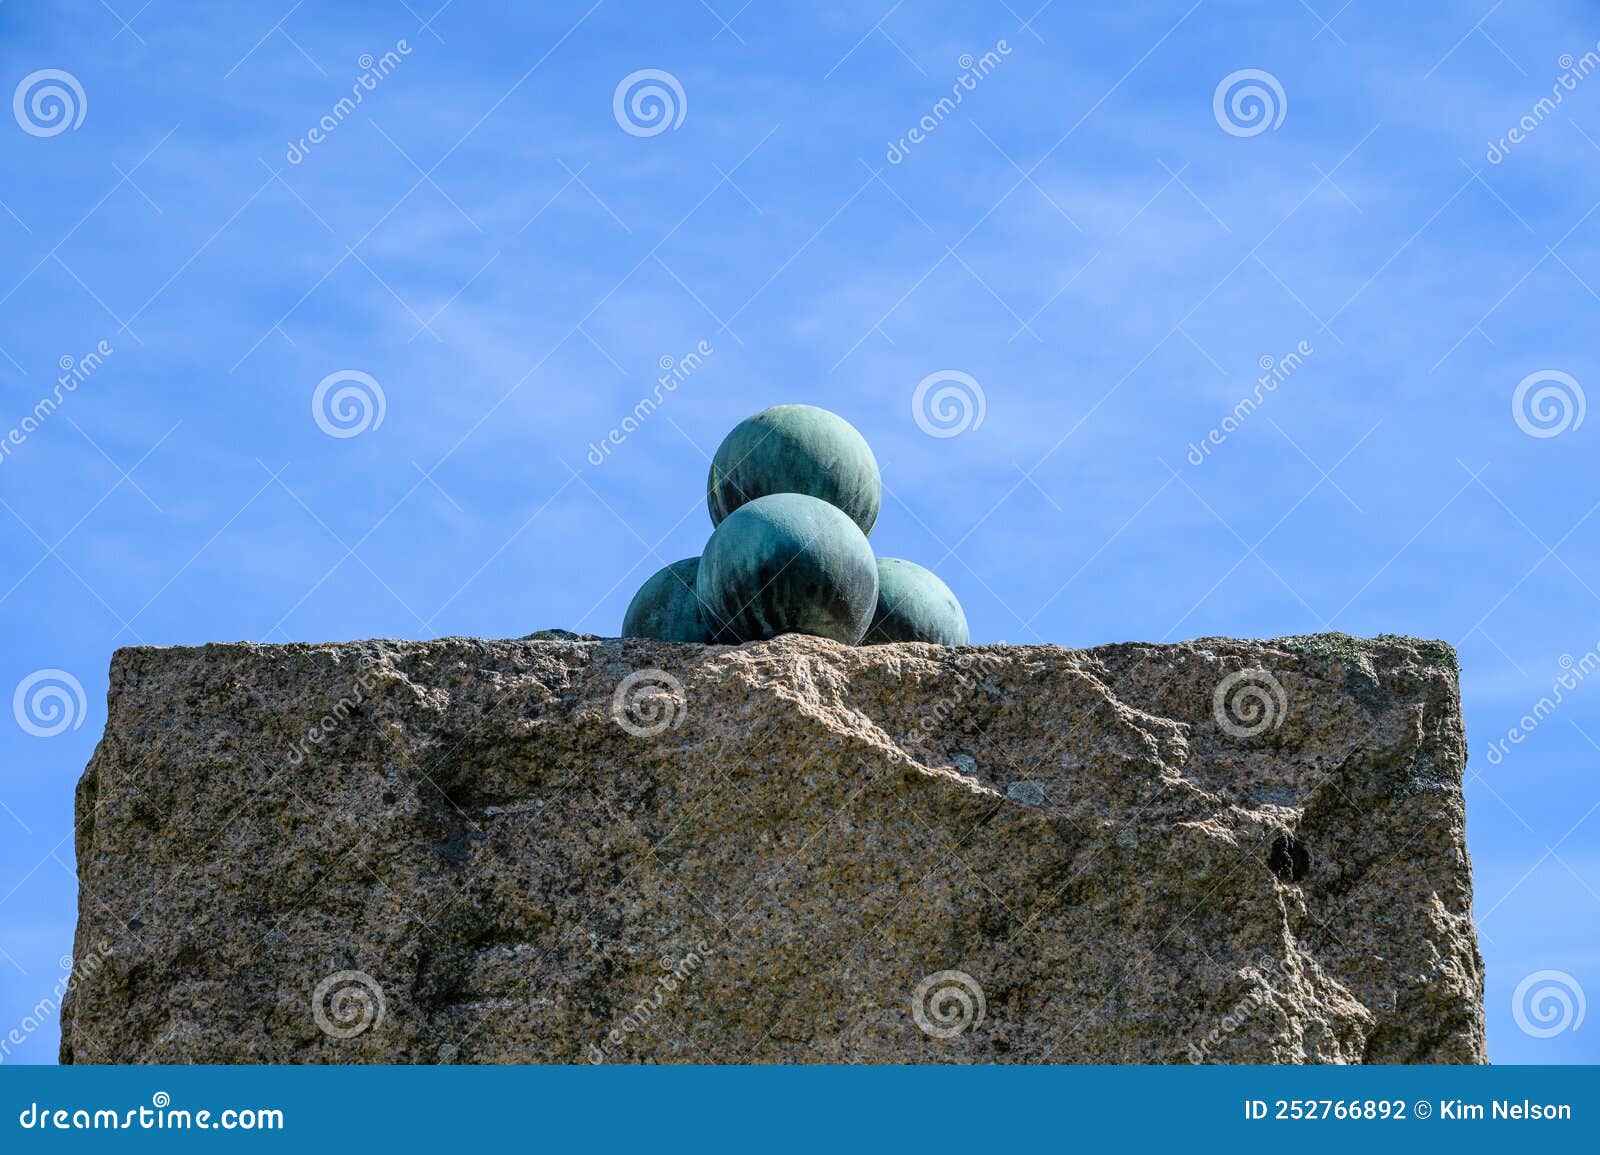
(565, 849)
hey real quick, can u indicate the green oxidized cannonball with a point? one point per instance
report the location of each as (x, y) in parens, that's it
(796, 449)
(788, 563)
(915, 606)
(665, 608)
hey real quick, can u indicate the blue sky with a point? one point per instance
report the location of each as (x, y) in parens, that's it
(1105, 259)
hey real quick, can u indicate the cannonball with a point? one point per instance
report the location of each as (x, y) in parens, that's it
(788, 563)
(796, 449)
(915, 606)
(666, 608)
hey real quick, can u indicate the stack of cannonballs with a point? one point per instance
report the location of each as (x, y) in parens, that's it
(794, 491)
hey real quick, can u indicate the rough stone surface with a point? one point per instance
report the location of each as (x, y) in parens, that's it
(782, 869)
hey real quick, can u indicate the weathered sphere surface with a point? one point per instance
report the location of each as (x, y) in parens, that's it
(796, 449)
(915, 606)
(788, 563)
(665, 608)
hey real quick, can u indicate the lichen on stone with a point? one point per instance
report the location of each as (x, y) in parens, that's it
(1342, 647)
